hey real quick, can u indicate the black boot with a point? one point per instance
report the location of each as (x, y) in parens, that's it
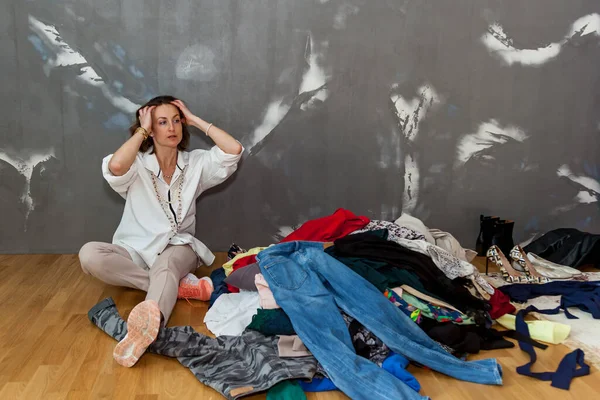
(486, 232)
(502, 236)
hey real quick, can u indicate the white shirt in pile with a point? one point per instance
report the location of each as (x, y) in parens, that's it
(157, 214)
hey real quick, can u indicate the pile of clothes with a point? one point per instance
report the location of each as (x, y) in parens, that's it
(343, 302)
(350, 291)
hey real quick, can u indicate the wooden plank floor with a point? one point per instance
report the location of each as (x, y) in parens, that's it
(49, 349)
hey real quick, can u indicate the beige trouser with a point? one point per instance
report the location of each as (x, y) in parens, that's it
(112, 264)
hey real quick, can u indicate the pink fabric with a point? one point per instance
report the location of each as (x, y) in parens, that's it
(267, 301)
(292, 346)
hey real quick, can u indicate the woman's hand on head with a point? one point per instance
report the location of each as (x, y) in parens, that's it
(186, 111)
(145, 115)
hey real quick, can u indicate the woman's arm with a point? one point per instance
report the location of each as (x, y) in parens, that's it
(123, 158)
(222, 139)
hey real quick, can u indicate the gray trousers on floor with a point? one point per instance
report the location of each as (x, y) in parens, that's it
(235, 366)
(112, 264)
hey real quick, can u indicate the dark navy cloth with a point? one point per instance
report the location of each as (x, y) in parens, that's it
(583, 295)
(218, 279)
(567, 369)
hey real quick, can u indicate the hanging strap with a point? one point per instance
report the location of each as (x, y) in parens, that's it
(567, 369)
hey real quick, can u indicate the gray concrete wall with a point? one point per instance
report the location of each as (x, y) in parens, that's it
(443, 109)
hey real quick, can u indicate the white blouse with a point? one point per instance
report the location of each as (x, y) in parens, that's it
(157, 214)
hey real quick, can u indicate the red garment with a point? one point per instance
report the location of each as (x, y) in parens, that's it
(241, 263)
(327, 229)
(232, 289)
(500, 305)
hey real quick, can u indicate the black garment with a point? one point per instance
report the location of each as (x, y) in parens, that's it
(372, 246)
(379, 273)
(567, 246)
(366, 344)
(465, 338)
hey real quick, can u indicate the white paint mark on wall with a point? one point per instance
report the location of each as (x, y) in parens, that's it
(591, 186)
(410, 113)
(72, 14)
(313, 78)
(66, 56)
(488, 134)
(118, 101)
(388, 213)
(390, 151)
(586, 197)
(563, 209)
(410, 195)
(343, 12)
(89, 75)
(282, 232)
(586, 25)
(498, 42)
(285, 231)
(273, 115)
(196, 63)
(25, 163)
(317, 98)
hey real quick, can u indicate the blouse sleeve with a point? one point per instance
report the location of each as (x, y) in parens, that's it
(120, 184)
(215, 166)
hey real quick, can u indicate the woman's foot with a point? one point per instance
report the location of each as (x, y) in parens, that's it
(192, 287)
(143, 324)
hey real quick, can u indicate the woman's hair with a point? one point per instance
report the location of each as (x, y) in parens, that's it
(149, 143)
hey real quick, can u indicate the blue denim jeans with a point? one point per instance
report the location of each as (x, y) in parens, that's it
(310, 286)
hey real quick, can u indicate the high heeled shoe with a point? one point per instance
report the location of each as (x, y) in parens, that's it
(509, 274)
(486, 232)
(542, 265)
(502, 235)
(518, 255)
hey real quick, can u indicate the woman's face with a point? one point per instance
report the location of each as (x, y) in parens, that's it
(166, 126)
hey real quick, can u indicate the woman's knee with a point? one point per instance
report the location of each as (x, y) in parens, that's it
(183, 259)
(89, 256)
(179, 260)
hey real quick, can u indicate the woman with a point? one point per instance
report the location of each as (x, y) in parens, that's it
(154, 248)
